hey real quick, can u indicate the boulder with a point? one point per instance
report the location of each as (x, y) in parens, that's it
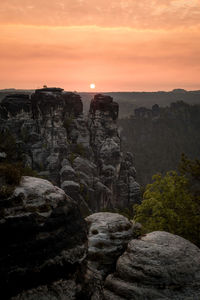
(43, 237)
(108, 236)
(160, 265)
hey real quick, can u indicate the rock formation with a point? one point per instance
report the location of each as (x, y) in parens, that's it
(45, 253)
(108, 236)
(157, 266)
(43, 238)
(48, 251)
(80, 154)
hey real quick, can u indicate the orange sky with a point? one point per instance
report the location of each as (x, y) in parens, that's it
(119, 45)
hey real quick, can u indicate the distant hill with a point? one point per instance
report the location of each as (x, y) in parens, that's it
(128, 101)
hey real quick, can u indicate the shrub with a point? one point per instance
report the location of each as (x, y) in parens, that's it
(10, 175)
(8, 145)
(169, 205)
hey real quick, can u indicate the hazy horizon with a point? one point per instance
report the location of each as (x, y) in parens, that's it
(94, 91)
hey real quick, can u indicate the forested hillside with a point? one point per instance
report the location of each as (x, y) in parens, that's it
(158, 136)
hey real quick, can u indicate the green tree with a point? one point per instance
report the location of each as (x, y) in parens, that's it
(170, 205)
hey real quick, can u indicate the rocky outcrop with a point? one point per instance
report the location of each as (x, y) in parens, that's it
(104, 104)
(45, 252)
(108, 236)
(116, 172)
(80, 154)
(43, 239)
(14, 104)
(157, 266)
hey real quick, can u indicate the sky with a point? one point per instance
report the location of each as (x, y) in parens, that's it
(120, 45)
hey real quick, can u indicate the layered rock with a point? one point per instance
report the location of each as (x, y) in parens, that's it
(43, 239)
(37, 124)
(108, 236)
(157, 266)
(80, 154)
(116, 172)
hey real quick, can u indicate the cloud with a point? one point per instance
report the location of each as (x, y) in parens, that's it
(114, 13)
(146, 44)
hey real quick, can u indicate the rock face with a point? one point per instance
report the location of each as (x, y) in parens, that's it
(157, 266)
(43, 238)
(115, 171)
(80, 154)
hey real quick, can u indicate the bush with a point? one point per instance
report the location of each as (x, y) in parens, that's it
(11, 173)
(169, 205)
(8, 145)
(10, 176)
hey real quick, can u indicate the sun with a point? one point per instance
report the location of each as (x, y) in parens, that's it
(92, 86)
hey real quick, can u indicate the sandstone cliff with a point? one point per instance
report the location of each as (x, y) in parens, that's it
(48, 250)
(81, 154)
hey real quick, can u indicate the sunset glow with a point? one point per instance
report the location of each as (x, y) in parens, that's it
(123, 45)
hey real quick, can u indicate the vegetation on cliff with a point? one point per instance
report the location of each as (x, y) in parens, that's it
(11, 165)
(172, 202)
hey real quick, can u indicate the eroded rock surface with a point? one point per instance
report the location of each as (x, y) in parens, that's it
(160, 265)
(108, 236)
(59, 290)
(43, 237)
(115, 171)
(81, 154)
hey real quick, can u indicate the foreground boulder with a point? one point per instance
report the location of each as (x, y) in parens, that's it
(160, 265)
(108, 236)
(43, 239)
